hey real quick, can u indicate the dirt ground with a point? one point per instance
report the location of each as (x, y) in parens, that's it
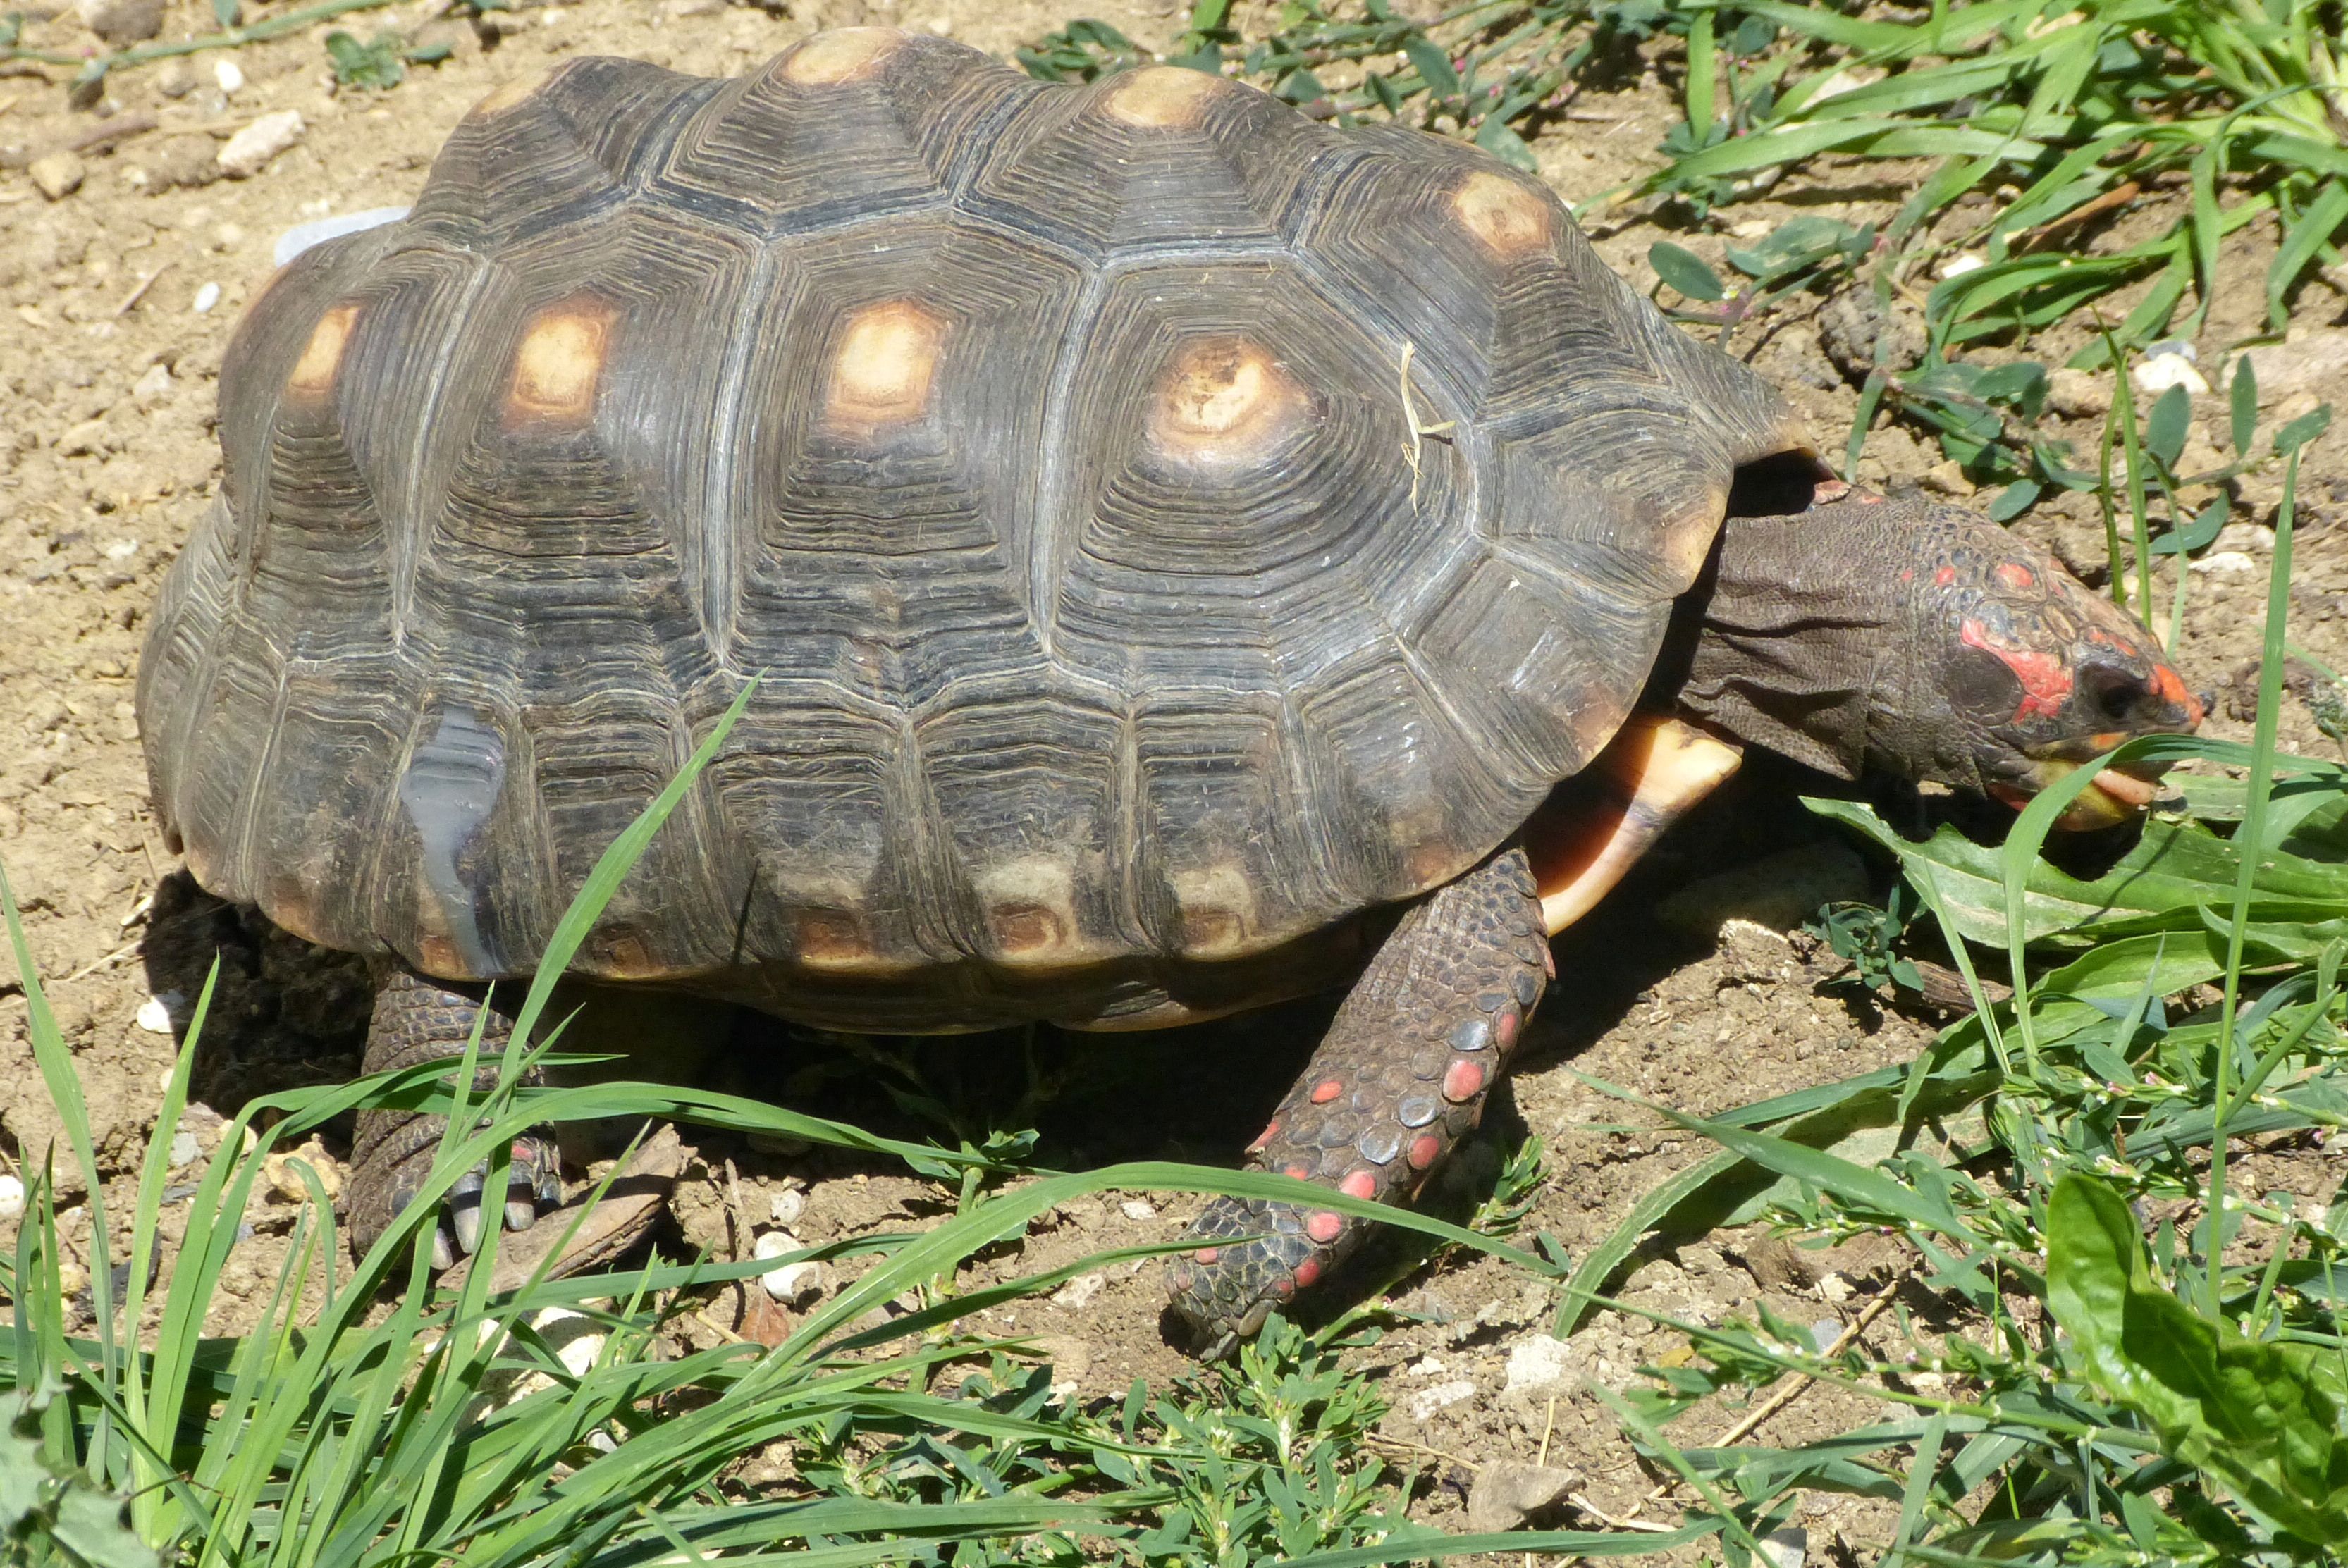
(118, 297)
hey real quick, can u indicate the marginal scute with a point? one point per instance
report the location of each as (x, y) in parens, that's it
(560, 362)
(1507, 219)
(886, 362)
(313, 375)
(1157, 97)
(1223, 397)
(1031, 910)
(1218, 904)
(844, 55)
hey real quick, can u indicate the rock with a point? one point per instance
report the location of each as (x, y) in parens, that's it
(1139, 1209)
(1423, 1404)
(1779, 891)
(2157, 373)
(1749, 952)
(248, 152)
(1078, 1293)
(155, 1012)
(1786, 1548)
(787, 1206)
(2308, 360)
(318, 230)
(2079, 394)
(206, 298)
(1958, 265)
(180, 160)
(177, 79)
(1859, 332)
(58, 174)
(1507, 1494)
(2256, 538)
(2227, 563)
(1537, 1364)
(186, 1150)
(228, 76)
(148, 391)
(792, 1284)
(1947, 477)
(284, 1173)
(12, 1198)
(120, 22)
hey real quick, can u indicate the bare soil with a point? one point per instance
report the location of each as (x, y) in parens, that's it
(107, 365)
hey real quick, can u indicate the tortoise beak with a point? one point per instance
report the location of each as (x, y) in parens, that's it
(2119, 794)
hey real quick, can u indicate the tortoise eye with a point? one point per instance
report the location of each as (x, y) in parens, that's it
(2120, 697)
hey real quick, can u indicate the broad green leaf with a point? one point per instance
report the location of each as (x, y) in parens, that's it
(2242, 396)
(2165, 427)
(1684, 270)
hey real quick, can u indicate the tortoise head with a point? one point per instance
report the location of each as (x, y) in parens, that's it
(1930, 642)
(2023, 674)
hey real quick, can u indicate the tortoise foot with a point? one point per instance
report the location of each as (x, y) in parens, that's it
(1400, 1079)
(416, 1020)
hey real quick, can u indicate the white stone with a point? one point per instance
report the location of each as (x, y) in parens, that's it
(1139, 1209)
(1536, 1364)
(791, 1283)
(318, 230)
(2253, 537)
(206, 298)
(155, 1012)
(1963, 261)
(1078, 1293)
(1426, 1367)
(185, 1149)
(1786, 1548)
(146, 391)
(787, 1206)
(229, 75)
(2156, 373)
(1442, 1396)
(12, 1198)
(248, 152)
(121, 550)
(2227, 563)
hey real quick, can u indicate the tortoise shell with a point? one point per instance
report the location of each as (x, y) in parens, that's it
(1162, 529)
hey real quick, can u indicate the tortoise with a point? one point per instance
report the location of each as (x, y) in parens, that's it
(1180, 545)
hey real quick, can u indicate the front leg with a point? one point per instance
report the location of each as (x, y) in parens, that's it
(1398, 1079)
(416, 1020)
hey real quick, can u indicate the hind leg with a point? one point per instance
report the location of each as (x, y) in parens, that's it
(417, 1020)
(1399, 1078)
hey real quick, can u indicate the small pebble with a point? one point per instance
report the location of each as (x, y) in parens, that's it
(1825, 1331)
(185, 1150)
(120, 22)
(1958, 265)
(72, 1277)
(155, 1012)
(2227, 563)
(1443, 1396)
(787, 1206)
(229, 75)
(206, 298)
(12, 1198)
(177, 79)
(791, 1283)
(58, 174)
(1139, 1209)
(148, 391)
(249, 151)
(2157, 373)
(1078, 1293)
(1786, 1548)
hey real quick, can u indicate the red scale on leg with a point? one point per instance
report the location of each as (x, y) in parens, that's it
(1464, 1082)
(1264, 1138)
(1423, 1151)
(1323, 1225)
(1325, 1091)
(1359, 1185)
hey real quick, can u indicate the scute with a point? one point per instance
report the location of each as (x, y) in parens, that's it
(1042, 452)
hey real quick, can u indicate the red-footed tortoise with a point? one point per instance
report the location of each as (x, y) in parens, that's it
(1173, 539)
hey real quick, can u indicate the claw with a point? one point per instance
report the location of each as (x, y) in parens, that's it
(444, 1251)
(521, 1213)
(465, 1217)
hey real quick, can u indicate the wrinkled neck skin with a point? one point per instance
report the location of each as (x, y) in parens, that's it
(1916, 639)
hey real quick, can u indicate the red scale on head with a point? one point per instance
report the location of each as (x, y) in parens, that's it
(1944, 577)
(2045, 678)
(2014, 574)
